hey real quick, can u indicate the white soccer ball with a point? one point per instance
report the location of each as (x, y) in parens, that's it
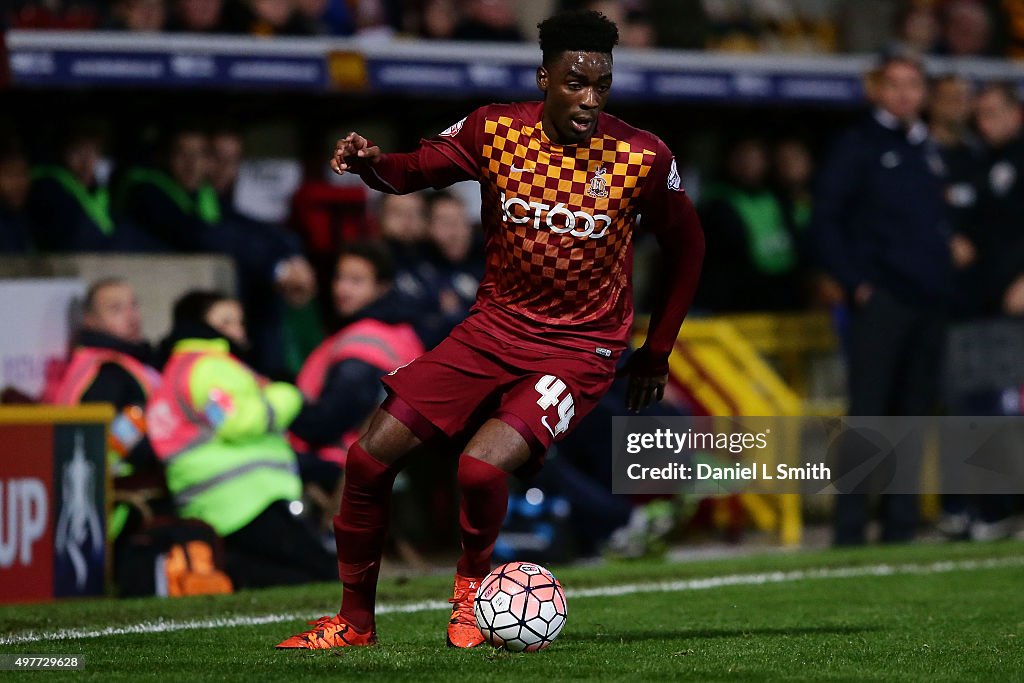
(520, 607)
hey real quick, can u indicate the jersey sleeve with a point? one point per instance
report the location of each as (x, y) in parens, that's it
(449, 157)
(667, 212)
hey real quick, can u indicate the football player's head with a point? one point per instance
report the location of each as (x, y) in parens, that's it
(576, 73)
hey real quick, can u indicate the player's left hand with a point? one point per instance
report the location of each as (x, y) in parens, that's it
(647, 380)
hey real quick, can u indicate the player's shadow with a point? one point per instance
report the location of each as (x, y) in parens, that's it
(697, 634)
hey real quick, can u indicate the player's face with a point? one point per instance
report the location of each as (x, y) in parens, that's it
(575, 88)
(227, 318)
(116, 312)
(355, 285)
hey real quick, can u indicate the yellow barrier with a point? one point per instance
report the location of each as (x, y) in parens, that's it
(724, 372)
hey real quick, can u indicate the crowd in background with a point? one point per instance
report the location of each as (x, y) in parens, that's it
(941, 27)
(937, 162)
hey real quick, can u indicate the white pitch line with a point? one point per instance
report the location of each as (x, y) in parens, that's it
(169, 625)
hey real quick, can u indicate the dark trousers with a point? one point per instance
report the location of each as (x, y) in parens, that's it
(894, 358)
(277, 548)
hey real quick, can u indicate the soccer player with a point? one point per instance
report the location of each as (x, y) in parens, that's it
(562, 185)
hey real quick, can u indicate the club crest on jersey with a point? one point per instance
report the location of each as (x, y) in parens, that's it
(598, 185)
(453, 130)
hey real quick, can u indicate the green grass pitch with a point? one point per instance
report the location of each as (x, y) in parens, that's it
(915, 613)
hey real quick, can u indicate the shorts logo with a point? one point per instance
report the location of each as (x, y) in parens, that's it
(550, 389)
(598, 185)
(453, 130)
(603, 352)
(558, 219)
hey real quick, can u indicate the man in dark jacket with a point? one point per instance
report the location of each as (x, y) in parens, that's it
(69, 206)
(999, 234)
(882, 231)
(14, 224)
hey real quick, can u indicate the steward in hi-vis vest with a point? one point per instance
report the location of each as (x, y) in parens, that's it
(112, 363)
(341, 378)
(218, 427)
(373, 344)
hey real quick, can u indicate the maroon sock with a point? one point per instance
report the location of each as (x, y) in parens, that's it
(359, 532)
(484, 502)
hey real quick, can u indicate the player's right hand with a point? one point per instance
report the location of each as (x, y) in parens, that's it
(353, 145)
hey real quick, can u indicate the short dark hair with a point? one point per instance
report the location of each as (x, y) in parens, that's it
(578, 31)
(89, 304)
(898, 54)
(193, 306)
(376, 253)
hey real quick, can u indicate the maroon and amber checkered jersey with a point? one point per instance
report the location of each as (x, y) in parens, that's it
(559, 220)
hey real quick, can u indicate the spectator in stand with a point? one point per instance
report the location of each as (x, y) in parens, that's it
(324, 17)
(681, 25)
(65, 15)
(793, 172)
(950, 109)
(455, 266)
(918, 28)
(142, 16)
(882, 230)
(1012, 26)
(15, 236)
(999, 238)
(403, 227)
(197, 16)
(272, 271)
(438, 19)
(68, 205)
(173, 204)
(635, 31)
(752, 257)
(266, 18)
(966, 29)
(218, 427)
(341, 378)
(488, 20)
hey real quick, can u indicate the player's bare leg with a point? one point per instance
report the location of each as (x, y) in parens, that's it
(359, 531)
(494, 451)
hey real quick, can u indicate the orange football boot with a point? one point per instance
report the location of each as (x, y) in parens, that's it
(328, 632)
(462, 628)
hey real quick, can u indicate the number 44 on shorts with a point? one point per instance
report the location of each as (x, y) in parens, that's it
(550, 389)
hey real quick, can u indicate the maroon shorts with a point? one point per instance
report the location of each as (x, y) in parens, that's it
(471, 377)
